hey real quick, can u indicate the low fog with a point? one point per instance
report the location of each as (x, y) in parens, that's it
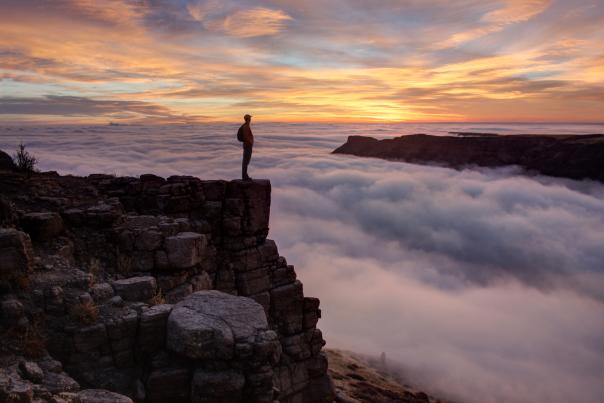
(484, 285)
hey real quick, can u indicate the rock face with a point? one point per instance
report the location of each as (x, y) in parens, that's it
(16, 255)
(151, 290)
(6, 162)
(207, 324)
(575, 157)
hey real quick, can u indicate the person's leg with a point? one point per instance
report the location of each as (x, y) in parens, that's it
(247, 156)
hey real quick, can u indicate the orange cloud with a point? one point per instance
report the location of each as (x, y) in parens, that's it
(509, 12)
(212, 60)
(243, 23)
(256, 22)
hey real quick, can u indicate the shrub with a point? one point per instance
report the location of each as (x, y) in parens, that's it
(29, 340)
(24, 161)
(94, 268)
(158, 298)
(34, 341)
(85, 312)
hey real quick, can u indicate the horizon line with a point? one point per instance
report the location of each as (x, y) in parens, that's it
(370, 122)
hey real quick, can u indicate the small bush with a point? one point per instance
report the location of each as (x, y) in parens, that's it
(85, 313)
(29, 341)
(34, 341)
(24, 161)
(94, 268)
(158, 298)
(124, 263)
(23, 282)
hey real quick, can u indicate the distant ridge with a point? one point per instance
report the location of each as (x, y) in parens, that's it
(568, 156)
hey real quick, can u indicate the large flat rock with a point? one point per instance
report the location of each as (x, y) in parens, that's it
(207, 324)
(139, 288)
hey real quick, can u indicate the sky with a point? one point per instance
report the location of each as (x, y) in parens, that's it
(483, 285)
(191, 61)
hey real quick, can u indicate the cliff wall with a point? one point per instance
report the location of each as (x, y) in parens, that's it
(157, 289)
(568, 156)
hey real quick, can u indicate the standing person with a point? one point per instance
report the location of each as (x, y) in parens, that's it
(244, 134)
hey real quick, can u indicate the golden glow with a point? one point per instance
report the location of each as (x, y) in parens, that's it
(218, 60)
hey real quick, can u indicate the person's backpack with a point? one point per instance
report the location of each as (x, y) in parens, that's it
(240, 134)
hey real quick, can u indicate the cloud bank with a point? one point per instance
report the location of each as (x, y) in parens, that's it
(484, 285)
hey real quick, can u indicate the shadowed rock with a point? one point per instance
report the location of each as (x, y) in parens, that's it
(126, 248)
(575, 157)
(208, 323)
(6, 162)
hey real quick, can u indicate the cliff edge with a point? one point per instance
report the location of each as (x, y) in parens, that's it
(567, 156)
(150, 290)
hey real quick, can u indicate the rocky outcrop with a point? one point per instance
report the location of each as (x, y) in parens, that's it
(155, 289)
(575, 157)
(360, 378)
(6, 162)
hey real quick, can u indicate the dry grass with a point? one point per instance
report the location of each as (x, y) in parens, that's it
(158, 298)
(94, 268)
(34, 341)
(124, 263)
(29, 341)
(355, 378)
(23, 282)
(85, 313)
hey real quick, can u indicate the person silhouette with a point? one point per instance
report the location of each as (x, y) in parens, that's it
(244, 134)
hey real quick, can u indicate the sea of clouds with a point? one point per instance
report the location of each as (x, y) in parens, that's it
(484, 284)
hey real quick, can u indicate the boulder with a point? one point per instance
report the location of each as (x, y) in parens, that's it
(137, 222)
(201, 282)
(253, 282)
(32, 371)
(152, 327)
(207, 324)
(101, 396)
(8, 215)
(168, 384)
(16, 254)
(6, 162)
(90, 338)
(101, 292)
(283, 276)
(213, 386)
(135, 288)
(256, 197)
(42, 226)
(12, 311)
(60, 382)
(287, 307)
(149, 240)
(122, 326)
(185, 249)
(179, 293)
(13, 389)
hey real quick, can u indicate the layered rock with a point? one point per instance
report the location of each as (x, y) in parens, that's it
(568, 156)
(6, 162)
(159, 289)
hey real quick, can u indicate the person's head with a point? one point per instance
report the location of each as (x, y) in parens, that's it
(247, 118)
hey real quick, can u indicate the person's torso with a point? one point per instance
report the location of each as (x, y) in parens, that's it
(248, 136)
